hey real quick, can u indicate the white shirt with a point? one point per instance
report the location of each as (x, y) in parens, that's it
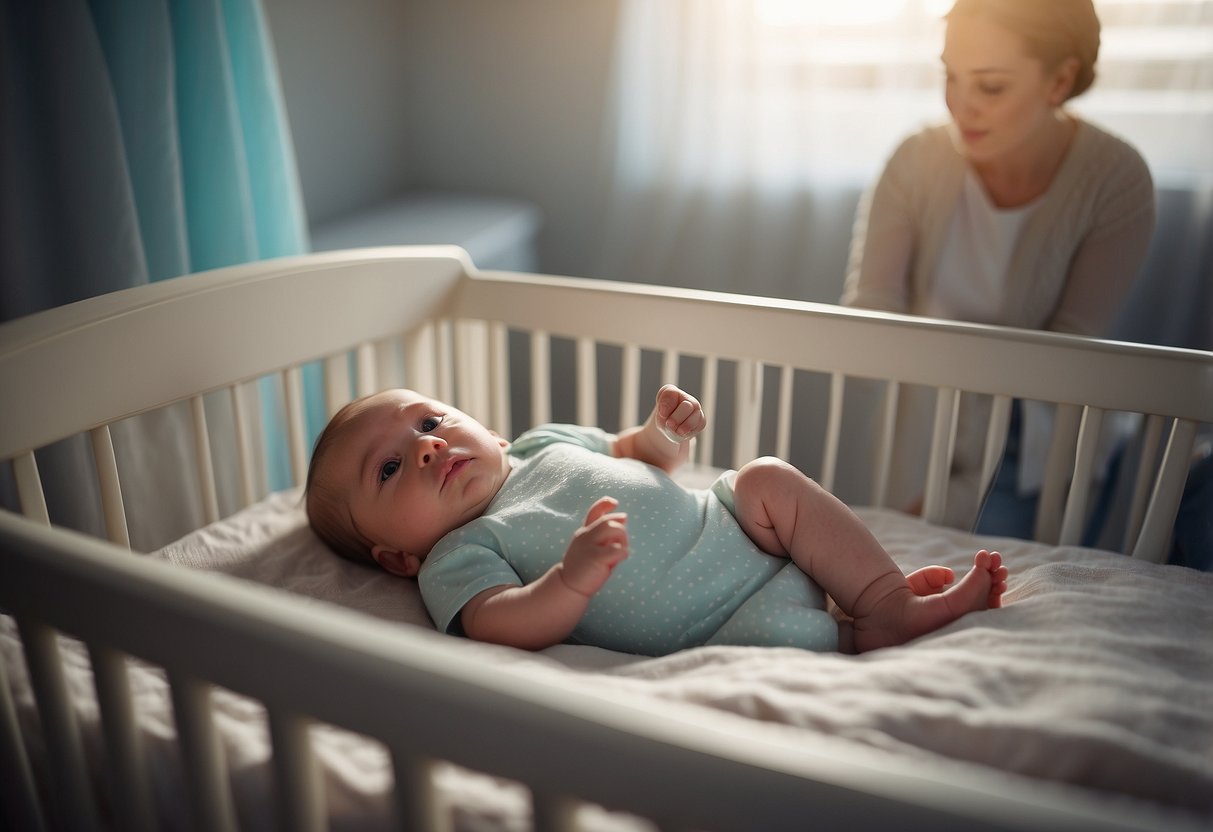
(969, 286)
(972, 274)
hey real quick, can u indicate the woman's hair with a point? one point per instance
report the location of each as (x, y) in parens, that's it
(327, 503)
(1053, 30)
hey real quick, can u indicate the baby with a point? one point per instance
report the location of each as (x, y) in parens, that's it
(571, 534)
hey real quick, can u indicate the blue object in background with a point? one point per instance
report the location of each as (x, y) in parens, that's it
(141, 140)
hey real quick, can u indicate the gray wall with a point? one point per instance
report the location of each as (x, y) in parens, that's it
(343, 70)
(505, 98)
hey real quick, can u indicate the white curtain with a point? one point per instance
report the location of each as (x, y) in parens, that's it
(745, 131)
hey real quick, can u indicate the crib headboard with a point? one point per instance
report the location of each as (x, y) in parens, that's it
(519, 349)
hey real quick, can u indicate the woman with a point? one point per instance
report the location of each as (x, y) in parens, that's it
(1016, 212)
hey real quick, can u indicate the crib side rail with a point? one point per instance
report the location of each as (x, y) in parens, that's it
(769, 341)
(302, 661)
(103, 359)
(857, 343)
(506, 347)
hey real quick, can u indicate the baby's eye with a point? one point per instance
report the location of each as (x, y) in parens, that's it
(992, 89)
(430, 423)
(390, 467)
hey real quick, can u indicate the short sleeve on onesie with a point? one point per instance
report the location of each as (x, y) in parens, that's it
(692, 569)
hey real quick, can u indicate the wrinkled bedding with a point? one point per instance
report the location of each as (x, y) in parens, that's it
(1096, 674)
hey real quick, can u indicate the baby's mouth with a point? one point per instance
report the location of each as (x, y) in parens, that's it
(452, 470)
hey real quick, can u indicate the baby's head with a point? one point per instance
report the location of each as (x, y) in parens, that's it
(394, 472)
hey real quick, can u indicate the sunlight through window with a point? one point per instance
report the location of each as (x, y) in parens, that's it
(841, 13)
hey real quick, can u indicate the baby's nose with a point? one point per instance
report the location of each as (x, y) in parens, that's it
(427, 449)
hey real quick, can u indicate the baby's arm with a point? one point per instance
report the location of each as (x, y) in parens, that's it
(680, 415)
(545, 612)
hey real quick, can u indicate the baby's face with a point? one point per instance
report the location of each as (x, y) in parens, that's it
(417, 469)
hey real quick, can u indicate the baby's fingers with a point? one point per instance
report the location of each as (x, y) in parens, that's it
(602, 507)
(679, 414)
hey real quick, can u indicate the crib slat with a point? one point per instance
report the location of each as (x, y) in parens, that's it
(629, 394)
(111, 490)
(499, 377)
(669, 367)
(365, 372)
(748, 412)
(553, 813)
(996, 439)
(1058, 467)
(783, 426)
(706, 441)
(336, 383)
(124, 753)
(210, 798)
(29, 488)
(416, 798)
(587, 382)
(1152, 436)
(541, 378)
(445, 363)
(833, 431)
(466, 363)
(1073, 520)
(1168, 488)
(244, 443)
(19, 808)
(421, 359)
(884, 445)
(472, 378)
(292, 378)
(947, 400)
(73, 798)
(300, 793)
(202, 456)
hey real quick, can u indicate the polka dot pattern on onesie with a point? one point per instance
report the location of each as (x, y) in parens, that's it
(693, 576)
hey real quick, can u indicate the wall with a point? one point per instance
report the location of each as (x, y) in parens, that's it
(342, 67)
(510, 98)
(505, 98)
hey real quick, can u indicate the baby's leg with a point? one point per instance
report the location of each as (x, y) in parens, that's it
(786, 513)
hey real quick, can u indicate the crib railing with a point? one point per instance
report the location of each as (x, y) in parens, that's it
(517, 350)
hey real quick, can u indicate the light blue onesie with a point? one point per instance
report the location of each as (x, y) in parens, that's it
(693, 576)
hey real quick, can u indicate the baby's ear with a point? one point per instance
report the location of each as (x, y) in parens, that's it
(396, 562)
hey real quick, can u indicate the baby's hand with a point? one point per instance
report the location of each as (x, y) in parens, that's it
(678, 414)
(597, 547)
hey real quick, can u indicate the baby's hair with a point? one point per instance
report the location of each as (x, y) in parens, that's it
(1053, 29)
(327, 503)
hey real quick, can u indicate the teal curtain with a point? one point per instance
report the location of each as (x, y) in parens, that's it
(142, 140)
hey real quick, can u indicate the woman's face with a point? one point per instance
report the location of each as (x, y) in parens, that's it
(999, 95)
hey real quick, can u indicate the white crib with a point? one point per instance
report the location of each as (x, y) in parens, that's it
(597, 741)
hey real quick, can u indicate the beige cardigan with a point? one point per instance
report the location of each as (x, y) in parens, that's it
(1077, 256)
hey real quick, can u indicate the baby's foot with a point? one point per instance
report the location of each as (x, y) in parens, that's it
(930, 580)
(904, 614)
